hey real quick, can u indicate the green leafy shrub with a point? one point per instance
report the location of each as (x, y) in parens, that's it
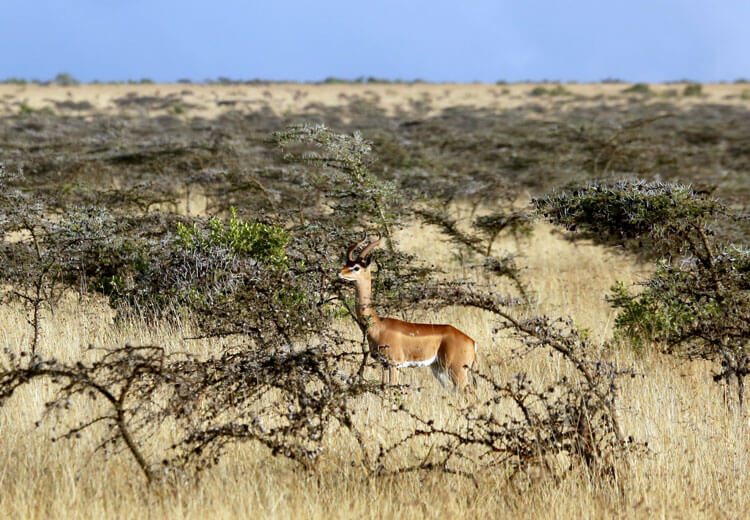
(697, 302)
(64, 79)
(639, 88)
(162, 265)
(557, 90)
(693, 89)
(262, 242)
(630, 213)
(693, 312)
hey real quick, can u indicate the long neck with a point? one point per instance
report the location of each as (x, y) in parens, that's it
(365, 312)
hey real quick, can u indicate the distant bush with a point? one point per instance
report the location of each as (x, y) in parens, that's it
(377, 81)
(693, 89)
(66, 80)
(557, 90)
(331, 80)
(639, 88)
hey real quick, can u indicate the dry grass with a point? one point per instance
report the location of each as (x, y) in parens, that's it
(698, 466)
(211, 100)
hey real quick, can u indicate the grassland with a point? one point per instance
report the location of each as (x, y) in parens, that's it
(211, 100)
(697, 460)
(698, 466)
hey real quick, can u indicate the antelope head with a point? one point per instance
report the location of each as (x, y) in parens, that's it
(358, 268)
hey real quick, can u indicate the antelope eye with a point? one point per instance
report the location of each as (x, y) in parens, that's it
(355, 268)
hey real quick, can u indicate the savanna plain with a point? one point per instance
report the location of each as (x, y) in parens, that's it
(180, 154)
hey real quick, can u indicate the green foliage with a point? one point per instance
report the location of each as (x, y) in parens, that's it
(538, 91)
(694, 312)
(628, 212)
(557, 90)
(639, 88)
(642, 321)
(335, 81)
(693, 89)
(697, 302)
(66, 80)
(262, 242)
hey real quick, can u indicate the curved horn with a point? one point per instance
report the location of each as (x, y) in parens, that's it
(350, 253)
(372, 245)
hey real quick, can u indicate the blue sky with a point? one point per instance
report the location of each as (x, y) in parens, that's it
(469, 40)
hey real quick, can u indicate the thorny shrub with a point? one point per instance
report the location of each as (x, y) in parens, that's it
(697, 302)
(340, 170)
(522, 423)
(289, 381)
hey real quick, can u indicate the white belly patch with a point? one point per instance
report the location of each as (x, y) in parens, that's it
(425, 363)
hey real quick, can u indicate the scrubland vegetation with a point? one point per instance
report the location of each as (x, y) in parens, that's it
(176, 342)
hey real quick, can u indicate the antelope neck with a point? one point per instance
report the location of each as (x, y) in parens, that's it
(364, 301)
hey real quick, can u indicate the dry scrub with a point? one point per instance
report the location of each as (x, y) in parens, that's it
(129, 172)
(698, 460)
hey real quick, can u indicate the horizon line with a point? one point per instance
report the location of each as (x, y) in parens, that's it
(67, 80)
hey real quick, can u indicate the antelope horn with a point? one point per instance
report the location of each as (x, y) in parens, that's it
(350, 253)
(372, 245)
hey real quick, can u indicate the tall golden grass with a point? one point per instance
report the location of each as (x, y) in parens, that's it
(697, 466)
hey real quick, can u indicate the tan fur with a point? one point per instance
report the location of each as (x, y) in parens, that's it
(399, 342)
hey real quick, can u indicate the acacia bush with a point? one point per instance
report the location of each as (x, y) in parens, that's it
(697, 302)
(523, 424)
(290, 379)
(341, 172)
(236, 278)
(142, 160)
